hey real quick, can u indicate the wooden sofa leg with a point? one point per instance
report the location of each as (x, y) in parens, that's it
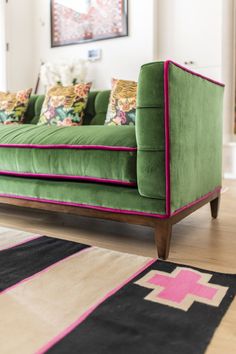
(215, 204)
(163, 231)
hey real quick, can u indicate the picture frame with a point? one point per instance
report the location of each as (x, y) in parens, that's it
(76, 22)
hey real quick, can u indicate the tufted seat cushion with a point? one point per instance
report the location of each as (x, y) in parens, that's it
(91, 153)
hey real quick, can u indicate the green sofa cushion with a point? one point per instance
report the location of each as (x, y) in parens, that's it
(103, 154)
(91, 195)
(34, 109)
(101, 106)
(30, 112)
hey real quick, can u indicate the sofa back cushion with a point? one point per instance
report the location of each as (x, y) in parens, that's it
(101, 106)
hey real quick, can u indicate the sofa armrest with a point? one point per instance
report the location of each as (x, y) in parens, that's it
(194, 106)
(182, 140)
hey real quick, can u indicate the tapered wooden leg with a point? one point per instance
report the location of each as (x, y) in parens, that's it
(215, 204)
(163, 231)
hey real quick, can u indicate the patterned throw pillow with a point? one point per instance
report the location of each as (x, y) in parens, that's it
(13, 106)
(64, 106)
(122, 104)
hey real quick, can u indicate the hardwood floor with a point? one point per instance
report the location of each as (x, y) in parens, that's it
(197, 240)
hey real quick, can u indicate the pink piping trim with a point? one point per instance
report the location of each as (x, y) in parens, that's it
(70, 328)
(64, 146)
(167, 137)
(20, 243)
(195, 73)
(118, 211)
(217, 189)
(44, 270)
(85, 178)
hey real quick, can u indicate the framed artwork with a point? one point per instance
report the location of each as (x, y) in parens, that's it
(81, 21)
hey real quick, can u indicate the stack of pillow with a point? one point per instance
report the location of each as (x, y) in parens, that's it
(65, 106)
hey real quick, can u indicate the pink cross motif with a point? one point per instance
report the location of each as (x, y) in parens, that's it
(182, 287)
(185, 283)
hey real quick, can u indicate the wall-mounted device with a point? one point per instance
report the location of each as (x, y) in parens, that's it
(94, 54)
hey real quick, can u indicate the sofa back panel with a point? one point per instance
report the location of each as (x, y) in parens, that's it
(195, 115)
(101, 105)
(38, 108)
(150, 131)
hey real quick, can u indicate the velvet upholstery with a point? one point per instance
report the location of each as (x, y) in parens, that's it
(30, 112)
(34, 109)
(101, 105)
(89, 154)
(195, 106)
(90, 108)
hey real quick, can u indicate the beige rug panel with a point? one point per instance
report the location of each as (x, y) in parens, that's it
(11, 237)
(52, 300)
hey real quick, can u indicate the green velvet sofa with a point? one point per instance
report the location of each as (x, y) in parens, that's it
(154, 173)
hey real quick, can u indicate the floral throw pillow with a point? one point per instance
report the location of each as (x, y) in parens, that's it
(13, 106)
(122, 104)
(65, 105)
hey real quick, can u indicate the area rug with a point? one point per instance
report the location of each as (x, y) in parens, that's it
(59, 296)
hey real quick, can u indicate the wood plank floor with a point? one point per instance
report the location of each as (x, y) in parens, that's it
(198, 241)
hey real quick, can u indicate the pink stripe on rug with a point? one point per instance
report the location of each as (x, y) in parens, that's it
(70, 328)
(44, 270)
(31, 238)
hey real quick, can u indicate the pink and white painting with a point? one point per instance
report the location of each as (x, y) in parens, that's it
(80, 21)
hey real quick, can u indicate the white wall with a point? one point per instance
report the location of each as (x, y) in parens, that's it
(2, 47)
(228, 67)
(158, 30)
(191, 30)
(20, 35)
(121, 57)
